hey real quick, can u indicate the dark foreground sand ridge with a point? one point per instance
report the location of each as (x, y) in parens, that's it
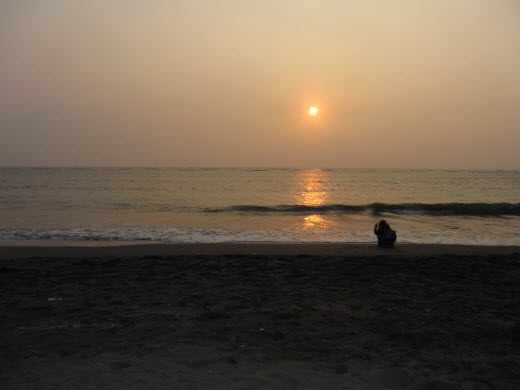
(263, 321)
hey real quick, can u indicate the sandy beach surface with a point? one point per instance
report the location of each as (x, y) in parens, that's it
(259, 316)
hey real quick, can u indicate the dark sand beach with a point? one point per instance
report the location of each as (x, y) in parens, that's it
(259, 316)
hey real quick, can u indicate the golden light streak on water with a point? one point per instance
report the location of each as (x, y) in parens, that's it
(313, 191)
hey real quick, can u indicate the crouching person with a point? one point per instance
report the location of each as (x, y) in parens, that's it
(386, 236)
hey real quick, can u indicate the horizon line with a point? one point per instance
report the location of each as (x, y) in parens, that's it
(79, 166)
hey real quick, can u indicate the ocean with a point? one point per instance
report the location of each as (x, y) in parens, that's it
(186, 205)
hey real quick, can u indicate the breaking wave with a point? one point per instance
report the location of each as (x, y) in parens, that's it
(470, 209)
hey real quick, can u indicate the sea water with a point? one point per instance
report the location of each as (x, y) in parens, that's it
(259, 205)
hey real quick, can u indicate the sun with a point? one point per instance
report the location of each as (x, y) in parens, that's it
(313, 111)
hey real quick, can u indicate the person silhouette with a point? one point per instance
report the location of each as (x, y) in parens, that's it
(385, 235)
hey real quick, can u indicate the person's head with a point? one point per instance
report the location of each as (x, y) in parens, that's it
(382, 223)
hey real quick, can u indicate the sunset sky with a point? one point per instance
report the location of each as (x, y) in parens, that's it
(396, 84)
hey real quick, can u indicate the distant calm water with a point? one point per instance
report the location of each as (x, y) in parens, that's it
(298, 205)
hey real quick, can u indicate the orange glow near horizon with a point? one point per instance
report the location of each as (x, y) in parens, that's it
(260, 84)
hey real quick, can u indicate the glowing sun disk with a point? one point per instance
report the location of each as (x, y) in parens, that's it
(313, 111)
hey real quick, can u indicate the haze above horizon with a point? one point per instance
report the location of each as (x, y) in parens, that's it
(395, 84)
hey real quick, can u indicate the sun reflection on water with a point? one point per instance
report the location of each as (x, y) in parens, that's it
(315, 220)
(313, 191)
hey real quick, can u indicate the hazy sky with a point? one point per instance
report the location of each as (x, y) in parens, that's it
(398, 83)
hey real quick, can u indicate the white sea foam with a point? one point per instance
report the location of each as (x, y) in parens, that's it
(174, 235)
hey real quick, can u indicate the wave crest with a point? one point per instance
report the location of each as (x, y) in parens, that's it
(470, 209)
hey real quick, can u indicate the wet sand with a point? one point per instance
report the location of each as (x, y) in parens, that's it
(260, 316)
(10, 249)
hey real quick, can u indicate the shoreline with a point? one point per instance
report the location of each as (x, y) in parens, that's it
(11, 249)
